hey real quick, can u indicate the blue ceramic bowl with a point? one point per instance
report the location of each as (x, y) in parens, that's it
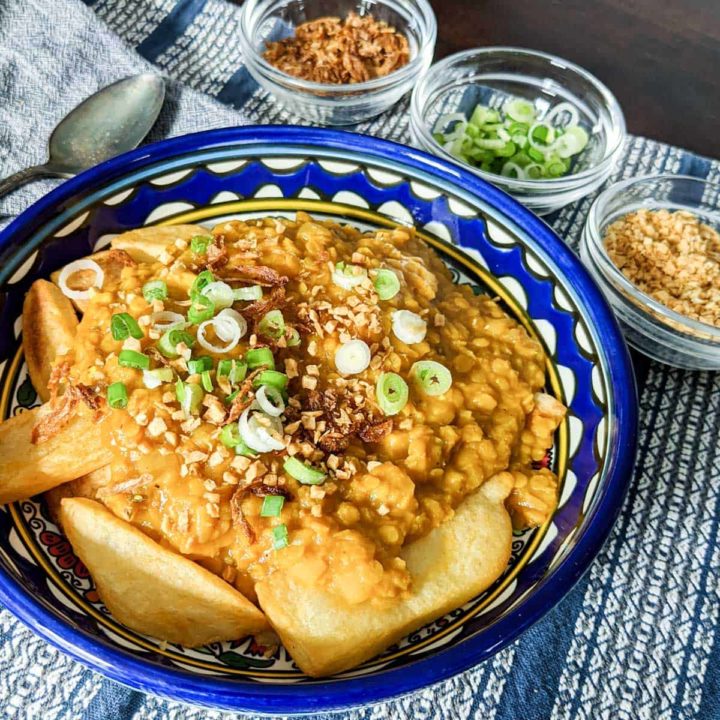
(486, 238)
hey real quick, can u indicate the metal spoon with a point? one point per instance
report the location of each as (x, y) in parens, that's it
(112, 121)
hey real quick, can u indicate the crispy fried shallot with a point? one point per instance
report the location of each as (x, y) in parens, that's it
(60, 409)
(125, 486)
(274, 301)
(261, 490)
(257, 274)
(217, 255)
(337, 438)
(372, 433)
(244, 398)
(238, 516)
(118, 257)
(53, 416)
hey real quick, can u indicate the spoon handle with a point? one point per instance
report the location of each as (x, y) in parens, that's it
(20, 178)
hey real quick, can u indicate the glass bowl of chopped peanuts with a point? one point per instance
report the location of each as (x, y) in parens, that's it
(653, 245)
(337, 62)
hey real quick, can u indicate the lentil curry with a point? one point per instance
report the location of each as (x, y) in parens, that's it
(301, 398)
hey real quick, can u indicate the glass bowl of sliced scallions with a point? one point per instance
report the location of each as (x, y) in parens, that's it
(539, 127)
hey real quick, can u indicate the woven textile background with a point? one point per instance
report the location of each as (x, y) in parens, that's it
(636, 638)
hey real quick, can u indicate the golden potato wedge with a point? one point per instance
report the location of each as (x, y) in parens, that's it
(450, 566)
(152, 589)
(148, 244)
(27, 469)
(86, 486)
(112, 263)
(49, 326)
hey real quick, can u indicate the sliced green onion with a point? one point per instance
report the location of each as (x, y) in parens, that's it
(293, 337)
(260, 357)
(516, 143)
(511, 169)
(123, 326)
(229, 326)
(391, 393)
(253, 292)
(155, 290)
(201, 309)
(535, 155)
(352, 357)
(261, 432)
(206, 381)
(280, 536)
(200, 364)
(556, 168)
(348, 276)
(190, 396)
(432, 377)
(155, 378)
(169, 341)
(199, 244)
(272, 506)
(117, 396)
(220, 293)
(490, 143)
(230, 435)
(234, 370)
(194, 395)
(165, 320)
(201, 281)
(229, 398)
(520, 110)
(387, 284)
(272, 325)
(133, 359)
(408, 327)
(534, 171)
(579, 138)
(484, 115)
(273, 378)
(270, 400)
(304, 474)
(242, 449)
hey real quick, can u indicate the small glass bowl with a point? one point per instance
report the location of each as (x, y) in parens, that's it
(490, 76)
(649, 326)
(324, 103)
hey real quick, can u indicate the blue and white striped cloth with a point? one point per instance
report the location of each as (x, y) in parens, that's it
(637, 637)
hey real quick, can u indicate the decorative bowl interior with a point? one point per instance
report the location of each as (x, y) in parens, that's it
(486, 238)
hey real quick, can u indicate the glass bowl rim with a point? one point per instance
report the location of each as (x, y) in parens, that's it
(612, 275)
(567, 182)
(428, 34)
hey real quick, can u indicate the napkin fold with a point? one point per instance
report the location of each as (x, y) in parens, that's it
(53, 55)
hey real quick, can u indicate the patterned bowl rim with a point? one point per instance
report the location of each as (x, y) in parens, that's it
(331, 694)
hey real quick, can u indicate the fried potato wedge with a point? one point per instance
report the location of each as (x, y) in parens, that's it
(152, 589)
(27, 469)
(49, 326)
(450, 566)
(147, 244)
(112, 263)
(86, 486)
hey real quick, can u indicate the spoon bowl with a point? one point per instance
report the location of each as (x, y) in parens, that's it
(112, 121)
(108, 123)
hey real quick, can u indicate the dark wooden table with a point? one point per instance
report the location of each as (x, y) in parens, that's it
(661, 58)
